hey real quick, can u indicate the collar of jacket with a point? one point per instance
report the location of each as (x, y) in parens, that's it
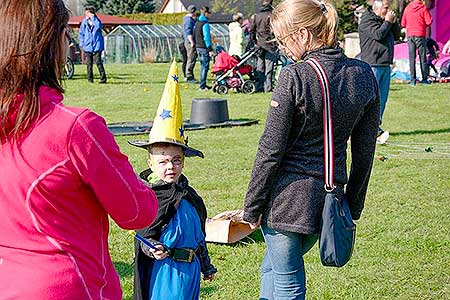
(325, 53)
(203, 18)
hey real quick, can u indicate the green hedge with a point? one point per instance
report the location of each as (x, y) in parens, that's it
(158, 19)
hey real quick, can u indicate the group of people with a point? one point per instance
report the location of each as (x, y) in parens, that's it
(378, 30)
(63, 174)
(260, 35)
(196, 43)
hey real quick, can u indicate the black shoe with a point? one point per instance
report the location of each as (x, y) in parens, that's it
(90, 80)
(102, 81)
(206, 88)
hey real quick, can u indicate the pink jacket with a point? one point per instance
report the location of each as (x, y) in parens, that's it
(416, 18)
(56, 192)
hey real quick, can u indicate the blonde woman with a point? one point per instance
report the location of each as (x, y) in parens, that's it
(236, 35)
(286, 190)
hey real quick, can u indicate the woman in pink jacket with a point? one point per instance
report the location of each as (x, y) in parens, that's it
(61, 172)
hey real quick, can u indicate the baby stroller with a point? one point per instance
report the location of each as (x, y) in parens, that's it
(229, 72)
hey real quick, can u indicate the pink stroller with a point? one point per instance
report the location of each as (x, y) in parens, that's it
(229, 73)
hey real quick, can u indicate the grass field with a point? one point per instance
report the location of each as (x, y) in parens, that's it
(403, 237)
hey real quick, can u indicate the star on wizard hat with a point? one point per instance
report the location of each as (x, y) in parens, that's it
(168, 123)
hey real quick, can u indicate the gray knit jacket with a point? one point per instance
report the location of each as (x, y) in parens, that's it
(287, 185)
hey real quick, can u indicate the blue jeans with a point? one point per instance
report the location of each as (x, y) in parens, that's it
(204, 65)
(383, 76)
(282, 268)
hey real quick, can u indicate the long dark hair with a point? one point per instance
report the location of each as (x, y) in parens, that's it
(31, 34)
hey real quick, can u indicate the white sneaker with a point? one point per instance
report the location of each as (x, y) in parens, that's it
(383, 137)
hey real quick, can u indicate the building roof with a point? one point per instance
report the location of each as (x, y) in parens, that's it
(216, 17)
(109, 22)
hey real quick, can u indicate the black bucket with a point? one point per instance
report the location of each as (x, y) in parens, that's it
(209, 111)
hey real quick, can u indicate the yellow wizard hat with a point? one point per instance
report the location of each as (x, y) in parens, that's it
(168, 123)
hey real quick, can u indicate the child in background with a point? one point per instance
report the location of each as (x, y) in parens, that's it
(432, 53)
(172, 272)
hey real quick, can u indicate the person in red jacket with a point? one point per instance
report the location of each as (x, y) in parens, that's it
(62, 173)
(416, 18)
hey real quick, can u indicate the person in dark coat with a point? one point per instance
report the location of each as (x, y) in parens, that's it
(286, 191)
(203, 44)
(377, 33)
(432, 53)
(261, 32)
(189, 44)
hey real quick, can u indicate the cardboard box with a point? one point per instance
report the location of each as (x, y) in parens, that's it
(227, 227)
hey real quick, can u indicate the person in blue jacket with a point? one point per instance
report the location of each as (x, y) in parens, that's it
(202, 38)
(92, 43)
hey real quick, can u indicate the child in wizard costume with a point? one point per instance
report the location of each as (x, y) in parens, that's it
(172, 272)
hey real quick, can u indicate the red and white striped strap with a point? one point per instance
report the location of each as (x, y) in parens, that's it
(327, 125)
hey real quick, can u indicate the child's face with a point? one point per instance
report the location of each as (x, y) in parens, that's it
(166, 161)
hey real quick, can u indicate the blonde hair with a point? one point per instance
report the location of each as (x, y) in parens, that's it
(319, 18)
(237, 16)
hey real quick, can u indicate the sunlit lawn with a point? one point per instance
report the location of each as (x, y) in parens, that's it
(403, 237)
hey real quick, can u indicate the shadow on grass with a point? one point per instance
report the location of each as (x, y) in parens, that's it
(124, 269)
(208, 290)
(395, 88)
(128, 81)
(122, 78)
(419, 131)
(255, 237)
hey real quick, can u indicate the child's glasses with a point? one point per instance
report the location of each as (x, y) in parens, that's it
(175, 162)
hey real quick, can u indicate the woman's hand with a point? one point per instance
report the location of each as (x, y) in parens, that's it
(255, 225)
(159, 254)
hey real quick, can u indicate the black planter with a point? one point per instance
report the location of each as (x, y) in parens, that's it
(209, 111)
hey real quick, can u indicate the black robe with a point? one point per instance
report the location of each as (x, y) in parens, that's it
(169, 197)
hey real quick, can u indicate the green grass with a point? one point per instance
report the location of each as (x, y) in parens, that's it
(403, 239)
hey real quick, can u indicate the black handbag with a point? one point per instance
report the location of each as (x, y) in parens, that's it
(338, 232)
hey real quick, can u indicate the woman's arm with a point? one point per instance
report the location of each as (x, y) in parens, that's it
(100, 164)
(272, 147)
(363, 141)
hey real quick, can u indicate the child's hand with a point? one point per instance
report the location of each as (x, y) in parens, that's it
(209, 277)
(159, 254)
